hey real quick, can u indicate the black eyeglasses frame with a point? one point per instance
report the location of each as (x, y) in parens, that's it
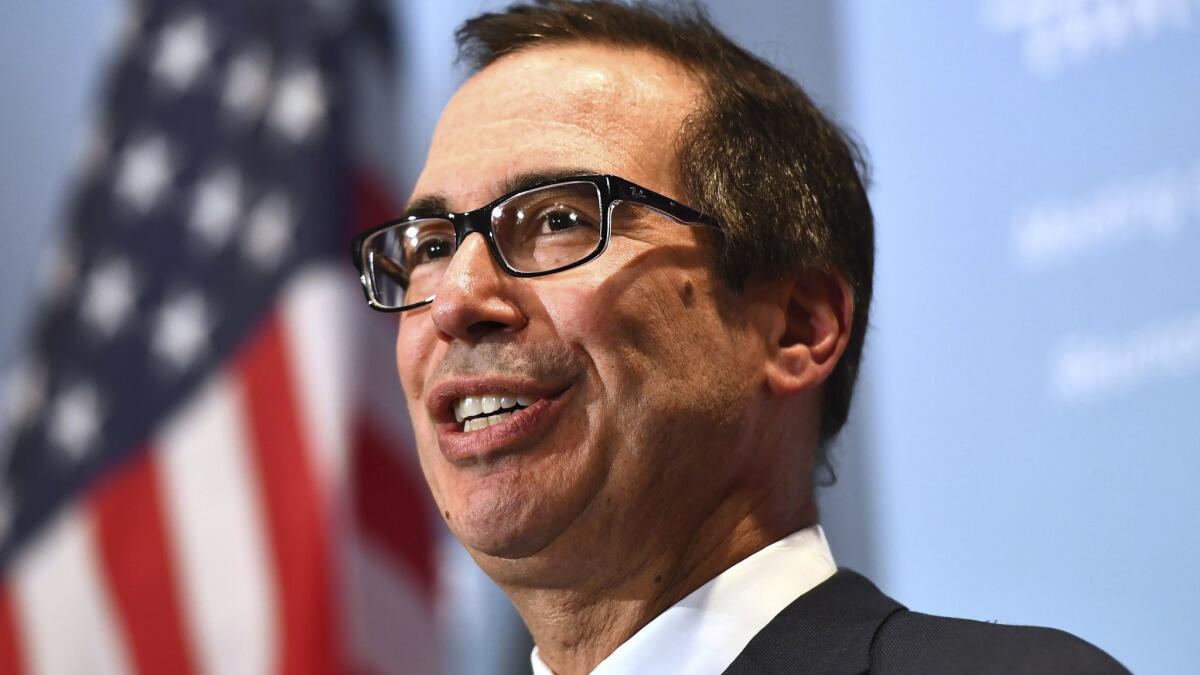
(612, 189)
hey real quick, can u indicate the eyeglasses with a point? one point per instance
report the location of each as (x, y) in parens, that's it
(532, 232)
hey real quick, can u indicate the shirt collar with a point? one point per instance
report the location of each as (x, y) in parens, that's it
(704, 632)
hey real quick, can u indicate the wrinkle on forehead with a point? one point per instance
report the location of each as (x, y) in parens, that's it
(550, 130)
(557, 144)
(591, 79)
(580, 104)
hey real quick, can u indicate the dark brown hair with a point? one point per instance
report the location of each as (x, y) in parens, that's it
(784, 181)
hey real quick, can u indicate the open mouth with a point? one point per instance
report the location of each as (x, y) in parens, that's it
(480, 412)
(494, 421)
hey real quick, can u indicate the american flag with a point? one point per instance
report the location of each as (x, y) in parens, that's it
(194, 481)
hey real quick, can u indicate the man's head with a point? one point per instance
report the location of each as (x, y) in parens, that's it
(685, 378)
(756, 153)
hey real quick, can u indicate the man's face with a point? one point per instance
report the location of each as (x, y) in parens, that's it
(641, 362)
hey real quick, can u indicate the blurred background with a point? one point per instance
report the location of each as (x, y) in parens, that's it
(1025, 442)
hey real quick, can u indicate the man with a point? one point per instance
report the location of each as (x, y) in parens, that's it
(623, 386)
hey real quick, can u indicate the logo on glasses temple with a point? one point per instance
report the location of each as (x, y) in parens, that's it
(637, 192)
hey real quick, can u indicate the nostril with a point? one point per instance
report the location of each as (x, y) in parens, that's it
(481, 328)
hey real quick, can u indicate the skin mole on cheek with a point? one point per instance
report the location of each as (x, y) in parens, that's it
(687, 293)
(446, 514)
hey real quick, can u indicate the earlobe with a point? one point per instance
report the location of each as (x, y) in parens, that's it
(816, 313)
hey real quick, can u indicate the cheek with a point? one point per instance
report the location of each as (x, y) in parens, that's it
(656, 319)
(413, 356)
(414, 349)
(658, 331)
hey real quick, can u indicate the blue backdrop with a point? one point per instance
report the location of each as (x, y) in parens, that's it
(1035, 356)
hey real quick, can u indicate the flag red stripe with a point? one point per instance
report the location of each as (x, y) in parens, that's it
(292, 503)
(390, 505)
(12, 660)
(138, 564)
(373, 201)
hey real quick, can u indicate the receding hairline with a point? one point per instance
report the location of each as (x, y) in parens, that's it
(674, 86)
(695, 76)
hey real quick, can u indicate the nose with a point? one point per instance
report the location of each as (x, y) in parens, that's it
(474, 298)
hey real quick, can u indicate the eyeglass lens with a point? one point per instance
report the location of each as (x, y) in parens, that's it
(540, 230)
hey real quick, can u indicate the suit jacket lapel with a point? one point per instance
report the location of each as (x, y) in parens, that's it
(827, 630)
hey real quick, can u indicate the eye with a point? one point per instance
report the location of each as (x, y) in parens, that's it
(562, 218)
(430, 249)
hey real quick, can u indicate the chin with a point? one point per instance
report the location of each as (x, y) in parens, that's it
(504, 538)
(503, 522)
(511, 544)
(513, 507)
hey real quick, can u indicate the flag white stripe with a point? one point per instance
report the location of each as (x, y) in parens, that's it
(390, 622)
(313, 311)
(64, 611)
(377, 596)
(215, 518)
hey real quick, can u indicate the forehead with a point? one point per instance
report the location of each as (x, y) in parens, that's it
(590, 106)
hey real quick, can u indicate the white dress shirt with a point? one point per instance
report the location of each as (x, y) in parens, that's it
(703, 633)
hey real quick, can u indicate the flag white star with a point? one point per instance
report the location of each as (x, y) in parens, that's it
(298, 106)
(183, 52)
(181, 331)
(75, 420)
(109, 296)
(215, 209)
(24, 394)
(248, 84)
(145, 173)
(269, 233)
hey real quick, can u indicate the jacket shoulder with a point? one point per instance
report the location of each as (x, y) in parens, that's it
(911, 642)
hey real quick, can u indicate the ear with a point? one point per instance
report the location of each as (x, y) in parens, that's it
(817, 312)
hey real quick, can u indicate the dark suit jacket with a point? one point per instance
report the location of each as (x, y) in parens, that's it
(846, 626)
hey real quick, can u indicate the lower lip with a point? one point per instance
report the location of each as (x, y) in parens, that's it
(498, 439)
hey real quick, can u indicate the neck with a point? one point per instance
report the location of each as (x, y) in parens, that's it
(576, 628)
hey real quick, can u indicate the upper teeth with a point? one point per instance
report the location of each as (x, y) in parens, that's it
(470, 406)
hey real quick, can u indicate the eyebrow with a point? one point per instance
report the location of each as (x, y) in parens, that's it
(438, 203)
(425, 206)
